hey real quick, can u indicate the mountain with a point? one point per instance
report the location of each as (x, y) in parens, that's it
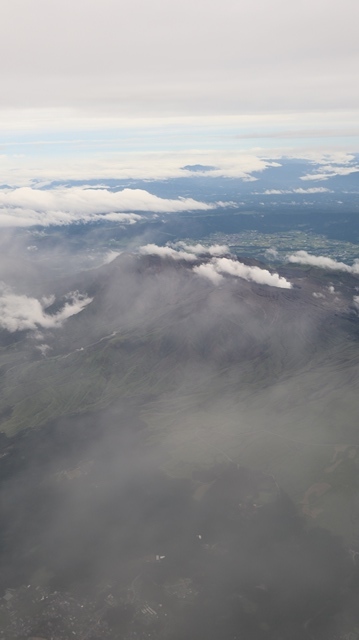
(179, 458)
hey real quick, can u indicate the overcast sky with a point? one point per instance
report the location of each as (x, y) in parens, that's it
(141, 57)
(83, 80)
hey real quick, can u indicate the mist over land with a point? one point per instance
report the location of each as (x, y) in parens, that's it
(179, 442)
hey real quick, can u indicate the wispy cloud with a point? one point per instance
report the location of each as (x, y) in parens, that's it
(330, 171)
(111, 256)
(21, 312)
(270, 192)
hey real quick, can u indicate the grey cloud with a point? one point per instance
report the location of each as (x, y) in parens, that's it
(44, 349)
(298, 58)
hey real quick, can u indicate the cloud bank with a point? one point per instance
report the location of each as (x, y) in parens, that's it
(26, 207)
(323, 262)
(281, 74)
(21, 312)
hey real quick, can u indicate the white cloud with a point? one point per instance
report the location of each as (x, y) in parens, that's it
(226, 266)
(139, 164)
(270, 192)
(214, 269)
(313, 190)
(200, 249)
(356, 302)
(330, 171)
(25, 206)
(208, 271)
(166, 252)
(21, 312)
(323, 262)
(316, 294)
(253, 274)
(127, 218)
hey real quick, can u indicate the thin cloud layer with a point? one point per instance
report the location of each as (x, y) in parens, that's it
(21, 312)
(173, 66)
(26, 207)
(111, 256)
(272, 192)
(323, 262)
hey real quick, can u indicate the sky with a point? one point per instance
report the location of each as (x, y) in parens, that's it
(102, 85)
(153, 58)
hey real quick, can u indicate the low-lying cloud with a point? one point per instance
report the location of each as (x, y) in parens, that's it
(26, 207)
(166, 252)
(21, 312)
(322, 262)
(227, 266)
(208, 271)
(330, 171)
(200, 249)
(217, 267)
